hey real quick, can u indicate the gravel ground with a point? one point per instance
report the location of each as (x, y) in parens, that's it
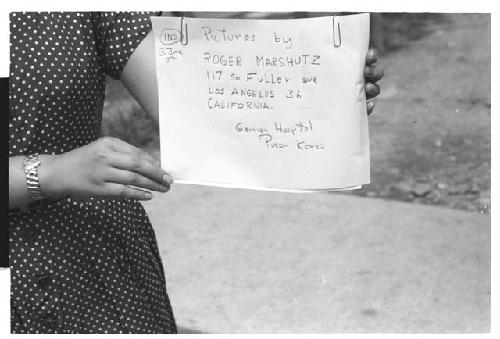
(430, 133)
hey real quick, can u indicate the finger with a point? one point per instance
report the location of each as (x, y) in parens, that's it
(372, 90)
(371, 56)
(126, 148)
(369, 107)
(136, 163)
(120, 190)
(133, 178)
(373, 73)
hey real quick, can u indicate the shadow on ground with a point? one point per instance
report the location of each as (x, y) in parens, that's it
(184, 330)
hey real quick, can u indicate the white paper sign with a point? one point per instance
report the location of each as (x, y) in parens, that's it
(264, 104)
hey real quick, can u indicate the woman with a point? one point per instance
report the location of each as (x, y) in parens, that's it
(84, 257)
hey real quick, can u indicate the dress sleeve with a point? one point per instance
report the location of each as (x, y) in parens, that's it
(117, 36)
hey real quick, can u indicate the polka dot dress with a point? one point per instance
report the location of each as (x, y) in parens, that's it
(78, 265)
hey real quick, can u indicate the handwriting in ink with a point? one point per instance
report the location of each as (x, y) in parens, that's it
(221, 59)
(169, 53)
(222, 35)
(268, 138)
(170, 36)
(298, 127)
(287, 61)
(287, 42)
(240, 127)
(267, 78)
(214, 104)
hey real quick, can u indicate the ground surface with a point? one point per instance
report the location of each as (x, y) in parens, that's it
(430, 134)
(245, 261)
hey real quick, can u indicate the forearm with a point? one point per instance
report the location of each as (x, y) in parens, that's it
(18, 189)
(106, 167)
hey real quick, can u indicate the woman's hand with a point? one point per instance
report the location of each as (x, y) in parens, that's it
(105, 167)
(372, 75)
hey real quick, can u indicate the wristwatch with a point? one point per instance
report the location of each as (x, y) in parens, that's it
(31, 164)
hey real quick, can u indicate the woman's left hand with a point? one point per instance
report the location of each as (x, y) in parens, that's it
(372, 75)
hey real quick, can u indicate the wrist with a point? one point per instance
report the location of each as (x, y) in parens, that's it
(50, 178)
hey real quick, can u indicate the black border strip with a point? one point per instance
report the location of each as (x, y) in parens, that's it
(4, 222)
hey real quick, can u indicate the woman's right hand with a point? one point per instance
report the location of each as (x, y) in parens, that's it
(105, 167)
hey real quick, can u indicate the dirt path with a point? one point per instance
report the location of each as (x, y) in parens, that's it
(246, 261)
(430, 134)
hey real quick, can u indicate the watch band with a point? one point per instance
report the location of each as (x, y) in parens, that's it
(31, 164)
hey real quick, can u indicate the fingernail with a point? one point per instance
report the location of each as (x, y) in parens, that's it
(148, 195)
(168, 179)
